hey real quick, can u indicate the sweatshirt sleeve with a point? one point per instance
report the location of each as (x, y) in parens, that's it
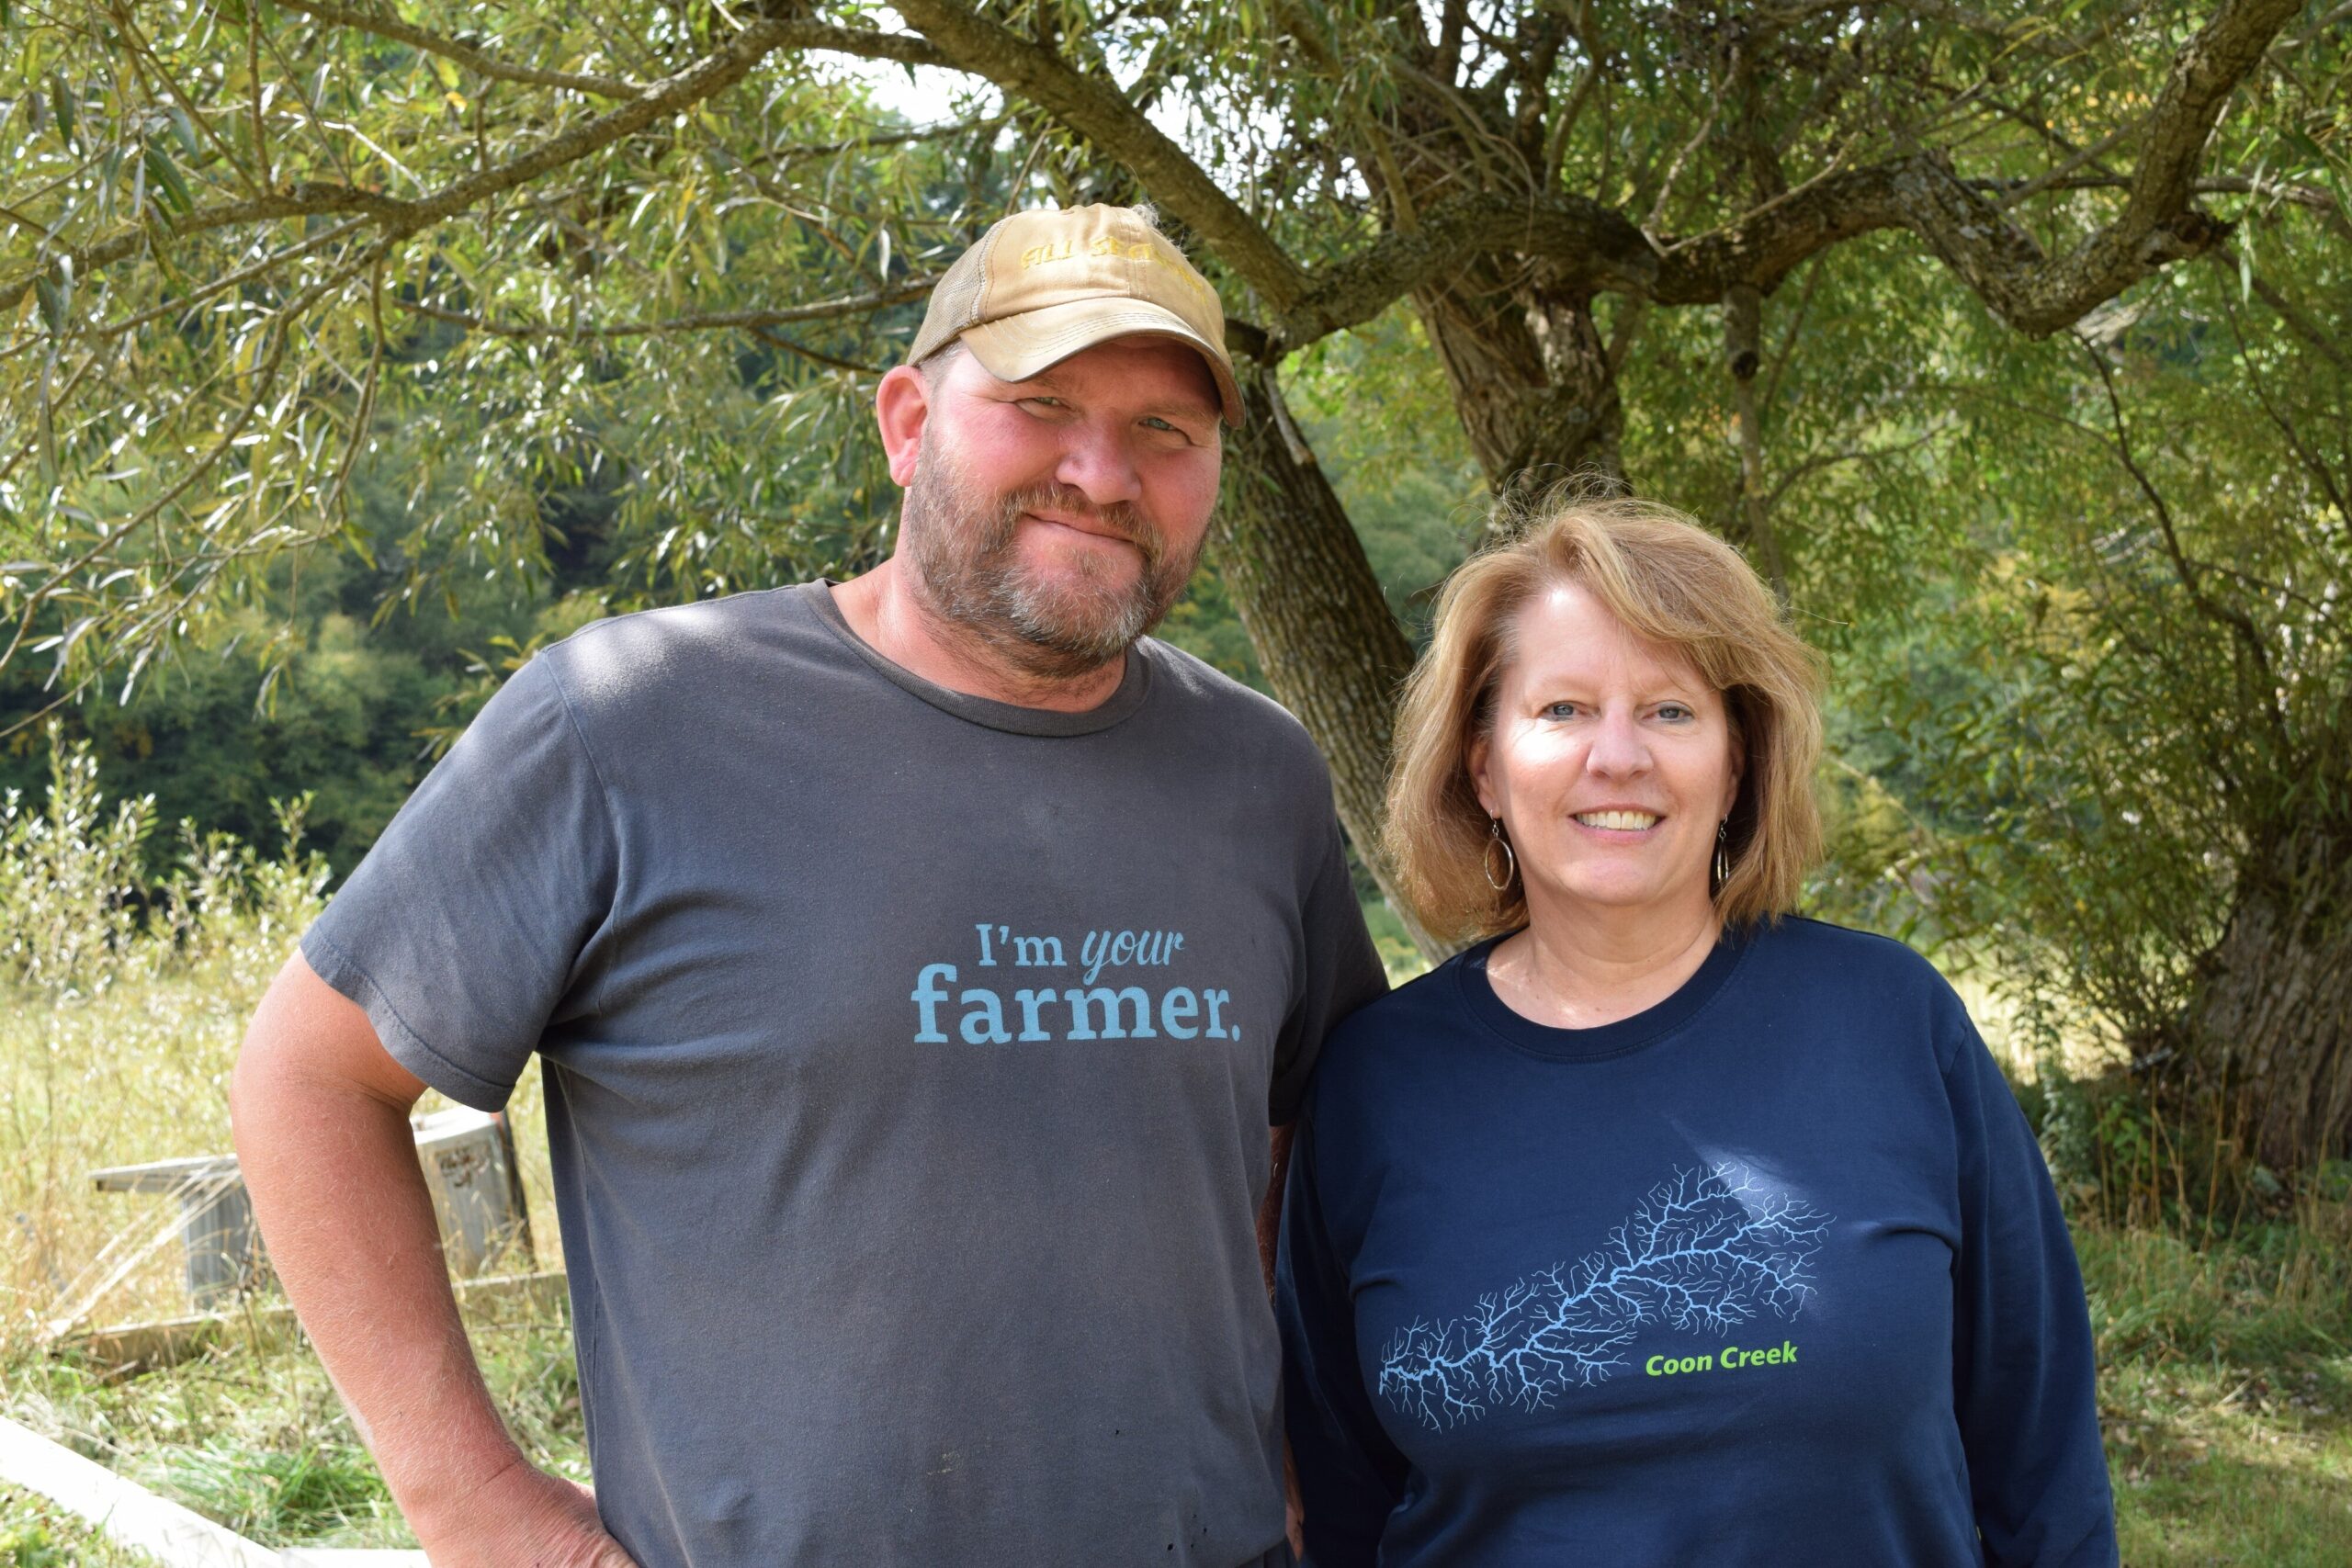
(1350, 1476)
(2023, 1359)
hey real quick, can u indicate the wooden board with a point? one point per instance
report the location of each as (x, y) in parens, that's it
(128, 1513)
(130, 1347)
(164, 1175)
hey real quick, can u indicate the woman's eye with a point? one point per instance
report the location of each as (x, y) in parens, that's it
(1559, 710)
(1675, 712)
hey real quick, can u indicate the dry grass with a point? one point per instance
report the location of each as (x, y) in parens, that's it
(122, 1000)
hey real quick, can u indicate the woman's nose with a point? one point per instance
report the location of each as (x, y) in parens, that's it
(1617, 746)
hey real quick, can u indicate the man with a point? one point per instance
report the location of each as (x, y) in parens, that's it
(913, 962)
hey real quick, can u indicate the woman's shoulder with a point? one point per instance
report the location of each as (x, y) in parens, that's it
(1805, 942)
(1880, 976)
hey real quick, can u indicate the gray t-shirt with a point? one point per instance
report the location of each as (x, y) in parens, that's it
(908, 1058)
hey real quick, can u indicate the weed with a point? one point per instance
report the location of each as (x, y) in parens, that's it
(37, 1533)
(327, 1491)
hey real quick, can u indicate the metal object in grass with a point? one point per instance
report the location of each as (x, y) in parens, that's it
(128, 1249)
(470, 1169)
(477, 1186)
(216, 1220)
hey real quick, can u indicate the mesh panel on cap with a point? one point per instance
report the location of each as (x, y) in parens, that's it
(956, 299)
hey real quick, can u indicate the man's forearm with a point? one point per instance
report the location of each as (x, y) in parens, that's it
(1269, 1209)
(340, 1197)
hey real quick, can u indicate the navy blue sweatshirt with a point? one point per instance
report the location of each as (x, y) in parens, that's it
(1770, 1273)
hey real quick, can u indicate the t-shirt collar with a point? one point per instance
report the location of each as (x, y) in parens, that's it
(1134, 684)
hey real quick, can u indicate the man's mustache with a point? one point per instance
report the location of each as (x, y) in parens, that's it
(1121, 518)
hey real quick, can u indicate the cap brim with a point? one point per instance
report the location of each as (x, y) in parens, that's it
(1013, 348)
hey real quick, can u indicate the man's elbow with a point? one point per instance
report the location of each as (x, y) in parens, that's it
(309, 1047)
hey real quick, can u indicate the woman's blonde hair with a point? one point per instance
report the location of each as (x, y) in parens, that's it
(1669, 581)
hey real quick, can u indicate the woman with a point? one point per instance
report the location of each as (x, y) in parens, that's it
(1663, 1227)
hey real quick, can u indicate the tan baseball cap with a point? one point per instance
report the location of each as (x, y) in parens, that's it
(1042, 286)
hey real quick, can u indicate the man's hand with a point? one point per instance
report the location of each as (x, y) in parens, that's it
(523, 1518)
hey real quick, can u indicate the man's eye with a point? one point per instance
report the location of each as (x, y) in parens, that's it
(1044, 401)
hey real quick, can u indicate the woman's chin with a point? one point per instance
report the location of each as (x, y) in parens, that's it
(1626, 896)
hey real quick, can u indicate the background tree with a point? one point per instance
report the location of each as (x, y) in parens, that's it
(619, 277)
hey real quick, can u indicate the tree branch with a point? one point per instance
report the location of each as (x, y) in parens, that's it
(706, 77)
(2204, 76)
(2264, 685)
(1597, 247)
(2309, 197)
(2300, 322)
(225, 282)
(748, 321)
(1819, 461)
(1590, 246)
(818, 357)
(477, 61)
(295, 201)
(1096, 109)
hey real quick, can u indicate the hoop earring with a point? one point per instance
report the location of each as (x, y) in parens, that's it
(1723, 856)
(1495, 841)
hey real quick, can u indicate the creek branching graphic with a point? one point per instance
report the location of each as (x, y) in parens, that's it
(1703, 1252)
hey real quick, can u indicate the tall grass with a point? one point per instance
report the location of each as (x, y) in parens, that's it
(123, 996)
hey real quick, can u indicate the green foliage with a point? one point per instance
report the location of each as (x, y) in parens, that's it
(1398, 956)
(324, 1492)
(67, 875)
(37, 1533)
(258, 1441)
(504, 389)
(1373, 407)
(300, 688)
(122, 998)
(1203, 624)
(2138, 688)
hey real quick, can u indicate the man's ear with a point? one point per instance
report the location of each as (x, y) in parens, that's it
(902, 404)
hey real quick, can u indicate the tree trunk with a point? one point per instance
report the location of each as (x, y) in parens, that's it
(2272, 1016)
(1532, 380)
(1330, 647)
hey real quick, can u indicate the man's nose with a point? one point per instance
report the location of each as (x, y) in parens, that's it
(1095, 460)
(1618, 747)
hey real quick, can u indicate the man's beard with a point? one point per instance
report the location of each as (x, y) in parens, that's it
(966, 571)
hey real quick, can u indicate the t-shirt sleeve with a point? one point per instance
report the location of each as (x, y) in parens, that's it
(460, 931)
(2023, 1358)
(1341, 973)
(1351, 1477)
